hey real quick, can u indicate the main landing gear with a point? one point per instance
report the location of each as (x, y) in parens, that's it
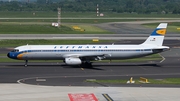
(86, 64)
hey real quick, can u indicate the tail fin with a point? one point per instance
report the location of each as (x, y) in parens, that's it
(157, 36)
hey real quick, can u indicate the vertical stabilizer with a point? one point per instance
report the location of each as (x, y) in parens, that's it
(157, 36)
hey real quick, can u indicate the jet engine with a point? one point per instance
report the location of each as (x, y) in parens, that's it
(73, 61)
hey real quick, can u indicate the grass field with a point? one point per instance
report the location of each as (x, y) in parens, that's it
(15, 43)
(174, 81)
(50, 14)
(71, 20)
(172, 26)
(45, 28)
(40, 22)
(52, 17)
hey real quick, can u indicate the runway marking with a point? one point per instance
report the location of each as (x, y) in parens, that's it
(163, 58)
(23, 80)
(82, 97)
(108, 98)
(41, 80)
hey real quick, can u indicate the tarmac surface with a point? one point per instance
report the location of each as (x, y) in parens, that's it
(20, 92)
(53, 74)
(53, 81)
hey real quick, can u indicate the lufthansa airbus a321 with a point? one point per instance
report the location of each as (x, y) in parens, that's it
(84, 54)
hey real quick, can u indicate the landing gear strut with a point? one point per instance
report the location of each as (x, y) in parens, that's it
(26, 62)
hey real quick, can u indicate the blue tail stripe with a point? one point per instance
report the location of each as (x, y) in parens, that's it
(154, 33)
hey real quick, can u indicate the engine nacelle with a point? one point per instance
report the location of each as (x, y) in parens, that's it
(73, 61)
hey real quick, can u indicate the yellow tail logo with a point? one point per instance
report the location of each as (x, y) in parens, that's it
(161, 31)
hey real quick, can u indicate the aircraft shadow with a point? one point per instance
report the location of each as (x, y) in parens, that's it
(85, 67)
(134, 64)
(94, 66)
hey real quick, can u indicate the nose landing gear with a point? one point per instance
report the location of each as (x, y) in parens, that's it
(26, 62)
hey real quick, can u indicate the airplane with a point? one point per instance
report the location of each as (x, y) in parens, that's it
(84, 54)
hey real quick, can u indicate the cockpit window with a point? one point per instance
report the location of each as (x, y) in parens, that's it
(15, 50)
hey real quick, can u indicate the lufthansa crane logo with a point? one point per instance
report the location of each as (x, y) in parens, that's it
(161, 31)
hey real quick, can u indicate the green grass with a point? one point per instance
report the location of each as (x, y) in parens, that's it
(89, 21)
(15, 43)
(110, 81)
(49, 14)
(11, 14)
(32, 29)
(43, 25)
(53, 17)
(4, 58)
(89, 28)
(172, 26)
(28, 28)
(165, 81)
(174, 81)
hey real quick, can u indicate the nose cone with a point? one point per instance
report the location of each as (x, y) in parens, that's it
(14, 55)
(8, 55)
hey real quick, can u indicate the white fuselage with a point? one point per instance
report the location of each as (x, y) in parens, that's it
(59, 52)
